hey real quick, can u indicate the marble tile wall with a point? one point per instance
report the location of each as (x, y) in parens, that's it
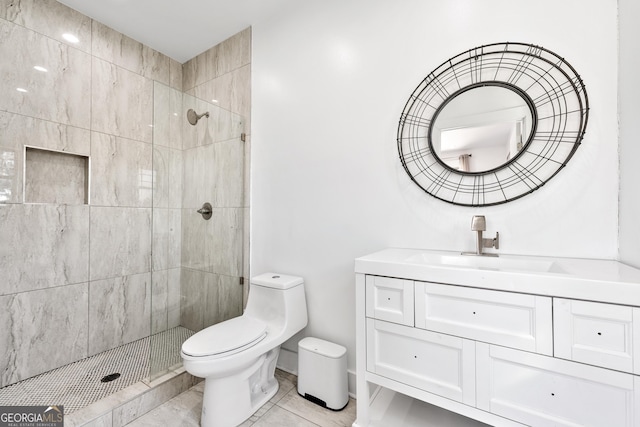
(214, 246)
(216, 252)
(27, 91)
(131, 261)
(43, 246)
(121, 102)
(55, 177)
(122, 171)
(46, 328)
(17, 130)
(74, 275)
(119, 311)
(120, 242)
(208, 298)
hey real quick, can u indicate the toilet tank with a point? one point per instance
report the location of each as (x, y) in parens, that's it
(277, 281)
(280, 299)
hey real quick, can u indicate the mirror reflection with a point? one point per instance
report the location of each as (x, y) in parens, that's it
(481, 129)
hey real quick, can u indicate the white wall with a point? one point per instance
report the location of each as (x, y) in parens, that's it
(629, 104)
(330, 79)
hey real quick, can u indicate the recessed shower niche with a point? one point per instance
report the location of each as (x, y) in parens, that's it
(55, 177)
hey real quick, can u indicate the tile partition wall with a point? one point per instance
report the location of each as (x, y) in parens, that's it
(80, 277)
(212, 249)
(221, 76)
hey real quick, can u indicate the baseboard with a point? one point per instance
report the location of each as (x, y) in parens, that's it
(288, 361)
(351, 378)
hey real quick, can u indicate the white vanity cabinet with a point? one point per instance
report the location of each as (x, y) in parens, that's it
(545, 391)
(599, 334)
(390, 299)
(505, 318)
(499, 348)
(437, 363)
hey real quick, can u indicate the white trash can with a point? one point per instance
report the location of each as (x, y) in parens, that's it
(322, 373)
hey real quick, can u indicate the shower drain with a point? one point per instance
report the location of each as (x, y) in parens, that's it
(110, 377)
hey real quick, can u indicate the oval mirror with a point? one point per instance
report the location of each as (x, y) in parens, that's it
(492, 124)
(481, 128)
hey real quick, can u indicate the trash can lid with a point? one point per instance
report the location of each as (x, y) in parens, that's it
(322, 347)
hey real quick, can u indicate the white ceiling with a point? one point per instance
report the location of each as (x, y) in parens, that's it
(181, 29)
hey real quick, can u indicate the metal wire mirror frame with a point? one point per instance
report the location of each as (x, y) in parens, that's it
(550, 86)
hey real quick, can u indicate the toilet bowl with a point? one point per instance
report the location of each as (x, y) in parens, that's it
(237, 358)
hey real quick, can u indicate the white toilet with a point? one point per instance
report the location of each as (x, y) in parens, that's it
(238, 357)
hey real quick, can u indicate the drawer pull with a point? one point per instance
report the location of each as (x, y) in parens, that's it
(599, 333)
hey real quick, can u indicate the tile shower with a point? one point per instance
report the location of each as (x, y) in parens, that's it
(100, 179)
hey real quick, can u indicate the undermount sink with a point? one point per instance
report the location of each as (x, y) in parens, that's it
(484, 262)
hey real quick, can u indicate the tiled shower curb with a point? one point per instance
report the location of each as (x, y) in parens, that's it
(123, 407)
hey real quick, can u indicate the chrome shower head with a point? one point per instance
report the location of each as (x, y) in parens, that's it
(193, 117)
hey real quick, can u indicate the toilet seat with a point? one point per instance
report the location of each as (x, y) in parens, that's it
(225, 338)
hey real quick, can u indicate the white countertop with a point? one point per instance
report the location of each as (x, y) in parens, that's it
(586, 279)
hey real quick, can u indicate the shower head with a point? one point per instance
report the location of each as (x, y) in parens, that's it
(193, 117)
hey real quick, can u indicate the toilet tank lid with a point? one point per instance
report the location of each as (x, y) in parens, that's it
(277, 280)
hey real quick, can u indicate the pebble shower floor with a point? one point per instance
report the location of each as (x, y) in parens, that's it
(79, 384)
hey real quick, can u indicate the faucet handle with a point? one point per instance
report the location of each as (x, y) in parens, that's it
(478, 223)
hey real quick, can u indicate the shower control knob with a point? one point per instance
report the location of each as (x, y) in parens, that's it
(206, 211)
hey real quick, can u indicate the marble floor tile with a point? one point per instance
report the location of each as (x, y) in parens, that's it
(287, 383)
(285, 409)
(183, 410)
(323, 417)
(278, 417)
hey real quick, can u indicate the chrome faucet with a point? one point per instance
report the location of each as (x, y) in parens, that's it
(479, 224)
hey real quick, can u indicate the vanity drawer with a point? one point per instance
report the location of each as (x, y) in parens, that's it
(514, 320)
(543, 391)
(390, 299)
(598, 334)
(436, 363)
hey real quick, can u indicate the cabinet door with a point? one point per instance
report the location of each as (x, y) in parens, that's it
(390, 299)
(542, 391)
(437, 363)
(515, 320)
(596, 333)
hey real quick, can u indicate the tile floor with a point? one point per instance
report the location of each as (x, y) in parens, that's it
(285, 409)
(78, 385)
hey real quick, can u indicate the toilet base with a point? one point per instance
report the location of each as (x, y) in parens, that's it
(229, 401)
